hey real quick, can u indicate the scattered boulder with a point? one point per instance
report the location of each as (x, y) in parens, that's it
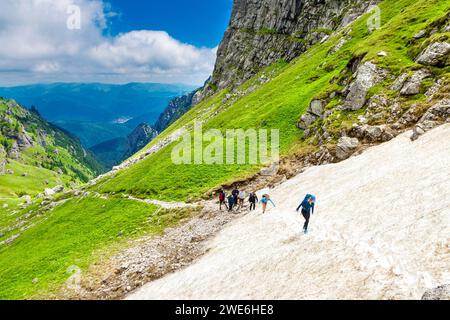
(420, 34)
(436, 115)
(437, 54)
(58, 189)
(49, 192)
(367, 76)
(316, 108)
(306, 120)
(413, 84)
(447, 28)
(399, 82)
(25, 174)
(314, 112)
(371, 134)
(346, 147)
(439, 293)
(10, 171)
(382, 54)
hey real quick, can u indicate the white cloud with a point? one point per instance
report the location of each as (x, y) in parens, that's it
(38, 46)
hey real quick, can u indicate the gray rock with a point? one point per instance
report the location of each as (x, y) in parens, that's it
(382, 54)
(371, 134)
(346, 147)
(367, 76)
(306, 120)
(399, 82)
(447, 28)
(413, 84)
(58, 189)
(439, 293)
(49, 192)
(436, 115)
(435, 55)
(420, 34)
(316, 108)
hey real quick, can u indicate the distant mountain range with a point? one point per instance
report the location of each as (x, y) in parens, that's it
(95, 112)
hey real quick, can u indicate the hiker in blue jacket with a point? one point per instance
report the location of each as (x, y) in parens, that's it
(264, 200)
(307, 206)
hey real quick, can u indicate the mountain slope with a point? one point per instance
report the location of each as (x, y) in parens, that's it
(35, 155)
(365, 107)
(366, 241)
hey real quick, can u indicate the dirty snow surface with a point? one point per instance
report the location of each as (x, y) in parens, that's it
(381, 231)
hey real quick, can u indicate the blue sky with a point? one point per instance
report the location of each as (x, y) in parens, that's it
(198, 22)
(110, 41)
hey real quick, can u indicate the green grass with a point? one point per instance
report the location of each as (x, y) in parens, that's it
(16, 185)
(70, 236)
(279, 103)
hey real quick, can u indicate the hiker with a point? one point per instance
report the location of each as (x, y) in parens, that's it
(307, 206)
(222, 198)
(235, 194)
(264, 200)
(253, 199)
(241, 198)
(230, 202)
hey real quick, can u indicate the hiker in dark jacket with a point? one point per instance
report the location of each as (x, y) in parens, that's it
(235, 194)
(230, 202)
(253, 199)
(307, 206)
(222, 199)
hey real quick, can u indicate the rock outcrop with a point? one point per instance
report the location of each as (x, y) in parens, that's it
(436, 115)
(345, 147)
(264, 31)
(437, 54)
(413, 84)
(176, 108)
(367, 76)
(439, 293)
(139, 138)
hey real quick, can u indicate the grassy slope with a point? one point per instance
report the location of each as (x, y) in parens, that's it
(70, 236)
(281, 102)
(36, 168)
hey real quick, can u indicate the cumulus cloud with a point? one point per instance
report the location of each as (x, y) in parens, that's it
(41, 42)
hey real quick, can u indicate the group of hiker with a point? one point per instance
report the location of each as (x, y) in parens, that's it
(236, 199)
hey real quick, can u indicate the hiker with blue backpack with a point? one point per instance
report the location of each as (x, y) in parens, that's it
(307, 206)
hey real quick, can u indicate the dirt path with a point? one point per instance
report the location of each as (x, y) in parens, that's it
(381, 231)
(168, 205)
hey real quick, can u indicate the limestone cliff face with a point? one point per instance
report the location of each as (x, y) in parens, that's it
(264, 31)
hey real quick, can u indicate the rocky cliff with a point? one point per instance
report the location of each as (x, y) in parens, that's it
(112, 152)
(139, 138)
(264, 31)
